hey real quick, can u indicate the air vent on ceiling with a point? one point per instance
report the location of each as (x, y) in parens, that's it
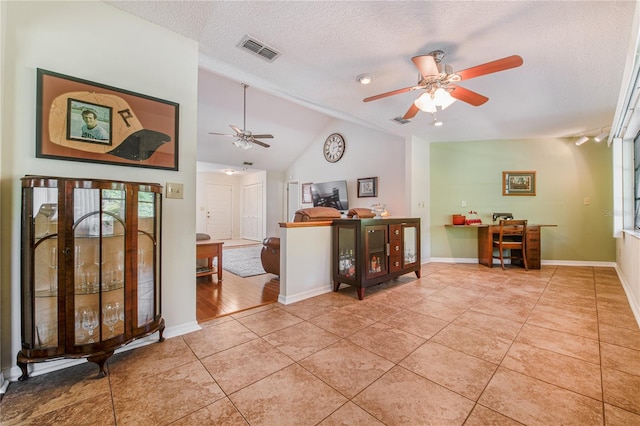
(259, 48)
(248, 163)
(401, 120)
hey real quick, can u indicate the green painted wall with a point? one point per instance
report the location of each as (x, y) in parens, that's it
(565, 175)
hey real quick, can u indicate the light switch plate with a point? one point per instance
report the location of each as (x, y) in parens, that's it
(175, 190)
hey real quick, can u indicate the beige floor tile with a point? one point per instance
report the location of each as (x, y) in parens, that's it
(350, 414)
(437, 310)
(96, 410)
(401, 397)
(269, 321)
(341, 323)
(490, 324)
(221, 412)
(457, 371)
(415, 323)
(387, 341)
(621, 389)
(563, 371)
(509, 308)
(619, 317)
(371, 309)
(163, 398)
(534, 402)
(585, 326)
(41, 395)
(309, 308)
(614, 416)
(292, 396)
(620, 358)
(559, 342)
(253, 311)
(473, 342)
(152, 359)
(346, 367)
(217, 338)
(483, 416)
(244, 364)
(455, 297)
(620, 336)
(301, 340)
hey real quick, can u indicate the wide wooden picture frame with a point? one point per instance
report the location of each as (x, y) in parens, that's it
(519, 183)
(80, 120)
(368, 187)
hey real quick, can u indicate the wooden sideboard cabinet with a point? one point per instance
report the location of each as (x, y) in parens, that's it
(367, 252)
(90, 267)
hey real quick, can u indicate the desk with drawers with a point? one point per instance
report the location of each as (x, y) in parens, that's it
(488, 233)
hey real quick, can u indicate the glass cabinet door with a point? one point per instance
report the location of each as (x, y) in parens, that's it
(147, 301)
(43, 247)
(347, 251)
(410, 244)
(376, 250)
(99, 264)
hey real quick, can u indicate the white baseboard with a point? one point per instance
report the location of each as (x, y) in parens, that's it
(633, 303)
(544, 262)
(285, 300)
(4, 384)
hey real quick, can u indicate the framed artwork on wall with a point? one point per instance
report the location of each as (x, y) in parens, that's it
(368, 187)
(306, 193)
(519, 183)
(79, 120)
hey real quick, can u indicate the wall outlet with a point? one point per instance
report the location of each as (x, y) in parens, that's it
(463, 203)
(587, 201)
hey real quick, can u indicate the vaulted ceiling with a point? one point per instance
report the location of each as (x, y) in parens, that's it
(574, 56)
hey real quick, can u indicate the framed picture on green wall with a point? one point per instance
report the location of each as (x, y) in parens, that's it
(518, 183)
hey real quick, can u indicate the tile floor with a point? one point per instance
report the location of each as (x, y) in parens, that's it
(464, 344)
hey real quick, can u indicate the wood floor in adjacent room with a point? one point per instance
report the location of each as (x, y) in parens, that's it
(234, 294)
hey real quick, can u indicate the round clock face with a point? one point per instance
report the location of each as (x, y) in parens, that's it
(334, 147)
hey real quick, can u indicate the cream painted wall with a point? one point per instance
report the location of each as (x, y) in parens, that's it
(125, 52)
(566, 174)
(368, 153)
(417, 177)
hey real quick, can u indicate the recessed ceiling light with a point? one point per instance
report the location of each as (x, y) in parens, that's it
(229, 172)
(364, 79)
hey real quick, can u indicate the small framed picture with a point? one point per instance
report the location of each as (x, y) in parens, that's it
(519, 183)
(368, 187)
(306, 193)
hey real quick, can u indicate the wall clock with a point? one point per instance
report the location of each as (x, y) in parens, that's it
(333, 147)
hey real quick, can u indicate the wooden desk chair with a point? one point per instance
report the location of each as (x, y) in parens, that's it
(513, 234)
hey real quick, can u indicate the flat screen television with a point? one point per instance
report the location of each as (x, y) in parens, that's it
(330, 194)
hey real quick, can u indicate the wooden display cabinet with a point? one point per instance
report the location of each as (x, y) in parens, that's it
(90, 267)
(367, 252)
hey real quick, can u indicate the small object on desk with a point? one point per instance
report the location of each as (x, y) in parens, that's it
(502, 216)
(458, 219)
(473, 219)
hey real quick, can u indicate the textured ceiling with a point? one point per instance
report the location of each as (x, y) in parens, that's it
(574, 56)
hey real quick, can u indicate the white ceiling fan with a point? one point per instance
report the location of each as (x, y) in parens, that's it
(244, 138)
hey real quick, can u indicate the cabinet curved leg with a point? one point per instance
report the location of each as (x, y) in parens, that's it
(361, 293)
(100, 359)
(161, 332)
(336, 286)
(22, 363)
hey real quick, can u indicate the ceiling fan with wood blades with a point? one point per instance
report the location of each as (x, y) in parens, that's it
(244, 138)
(438, 80)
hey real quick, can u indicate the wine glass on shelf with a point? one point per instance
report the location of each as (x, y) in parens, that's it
(110, 316)
(90, 322)
(53, 264)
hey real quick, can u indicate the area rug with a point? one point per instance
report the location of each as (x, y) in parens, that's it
(243, 261)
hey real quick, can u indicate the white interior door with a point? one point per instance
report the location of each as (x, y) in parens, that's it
(218, 205)
(293, 199)
(252, 212)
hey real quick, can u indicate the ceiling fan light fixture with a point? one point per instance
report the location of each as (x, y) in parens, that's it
(443, 98)
(425, 102)
(582, 140)
(364, 79)
(243, 144)
(229, 172)
(602, 136)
